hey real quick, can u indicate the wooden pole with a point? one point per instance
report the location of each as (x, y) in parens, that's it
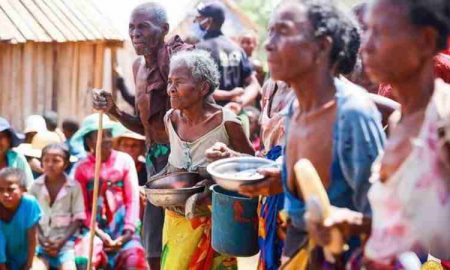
(98, 162)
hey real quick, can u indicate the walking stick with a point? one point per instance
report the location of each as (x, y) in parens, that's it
(98, 162)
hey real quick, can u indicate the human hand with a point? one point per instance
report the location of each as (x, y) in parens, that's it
(53, 247)
(102, 100)
(123, 239)
(218, 151)
(342, 219)
(271, 185)
(234, 107)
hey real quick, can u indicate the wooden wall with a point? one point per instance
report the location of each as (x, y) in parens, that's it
(35, 77)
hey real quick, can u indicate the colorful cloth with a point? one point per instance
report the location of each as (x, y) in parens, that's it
(56, 218)
(270, 245)
(156, 160)
(117, 209)
(17, 160)
(411, 209)
(187, 245)
(15, 232)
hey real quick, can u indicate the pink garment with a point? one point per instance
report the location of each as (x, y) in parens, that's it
(411, 210)
(118, 186)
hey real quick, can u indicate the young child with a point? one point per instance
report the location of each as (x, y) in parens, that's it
(62, 205)
(19, 216)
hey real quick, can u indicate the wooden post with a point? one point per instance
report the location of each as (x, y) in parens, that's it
(98, 162)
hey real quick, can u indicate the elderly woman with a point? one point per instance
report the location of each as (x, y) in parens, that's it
(410, 191)
(193, 125)
(9, 157)
(276, 99)
(335, 125)
(118, 245)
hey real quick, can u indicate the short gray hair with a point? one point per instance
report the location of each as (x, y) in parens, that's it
(155, 10)
(202, 66)
(14, 172)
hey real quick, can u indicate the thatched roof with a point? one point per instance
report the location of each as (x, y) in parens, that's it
(54, 21)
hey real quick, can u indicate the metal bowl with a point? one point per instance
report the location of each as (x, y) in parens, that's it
(231, 173)
(173, 189)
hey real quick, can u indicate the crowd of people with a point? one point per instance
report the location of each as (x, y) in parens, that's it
(363, 96)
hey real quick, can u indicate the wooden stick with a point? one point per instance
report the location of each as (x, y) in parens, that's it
(98, 162)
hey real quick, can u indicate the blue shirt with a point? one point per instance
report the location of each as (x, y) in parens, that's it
(15, 232)
(2, 248)
(358, 139)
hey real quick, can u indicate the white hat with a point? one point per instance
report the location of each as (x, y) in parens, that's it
(35, 123)
(41, 140)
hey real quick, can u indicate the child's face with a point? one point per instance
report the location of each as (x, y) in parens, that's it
(53, 162)
(10, 192)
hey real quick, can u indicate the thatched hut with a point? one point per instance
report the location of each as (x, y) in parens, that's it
(52, 52)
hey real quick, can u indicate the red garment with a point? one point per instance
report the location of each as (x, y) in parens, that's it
(441, 70)
(158, 101)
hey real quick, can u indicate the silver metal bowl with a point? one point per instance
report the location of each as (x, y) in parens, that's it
(173, 189)
(231, 173)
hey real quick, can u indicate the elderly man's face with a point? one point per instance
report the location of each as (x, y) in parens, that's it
(146, 35)
(290, 46)
(182, 88)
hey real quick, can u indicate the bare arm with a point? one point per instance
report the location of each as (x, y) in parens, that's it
(252, 90)
(238, 141)
(225, 95)
(102, 100)
(32, 241)
(132, 122)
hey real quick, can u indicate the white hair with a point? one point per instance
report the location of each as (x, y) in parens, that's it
(202, 66)
(157, 11)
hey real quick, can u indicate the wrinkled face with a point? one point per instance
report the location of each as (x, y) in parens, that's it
(183, 89)
(133, 147)
(10, 192)
(5, 142)
(389, 50)
(53, 162)
(145, 34)
(106, 143)
(290, 45)
(248, 44)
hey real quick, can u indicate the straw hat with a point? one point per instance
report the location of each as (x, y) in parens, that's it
(130, 134)
(35, 123)
(40, 140)
(16, 138)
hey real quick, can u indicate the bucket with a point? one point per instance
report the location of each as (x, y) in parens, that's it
(234, 223)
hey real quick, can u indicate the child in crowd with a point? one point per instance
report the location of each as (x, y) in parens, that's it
(19, 216)
(61, 200)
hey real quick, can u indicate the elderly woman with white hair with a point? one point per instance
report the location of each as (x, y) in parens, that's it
(194, 124)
